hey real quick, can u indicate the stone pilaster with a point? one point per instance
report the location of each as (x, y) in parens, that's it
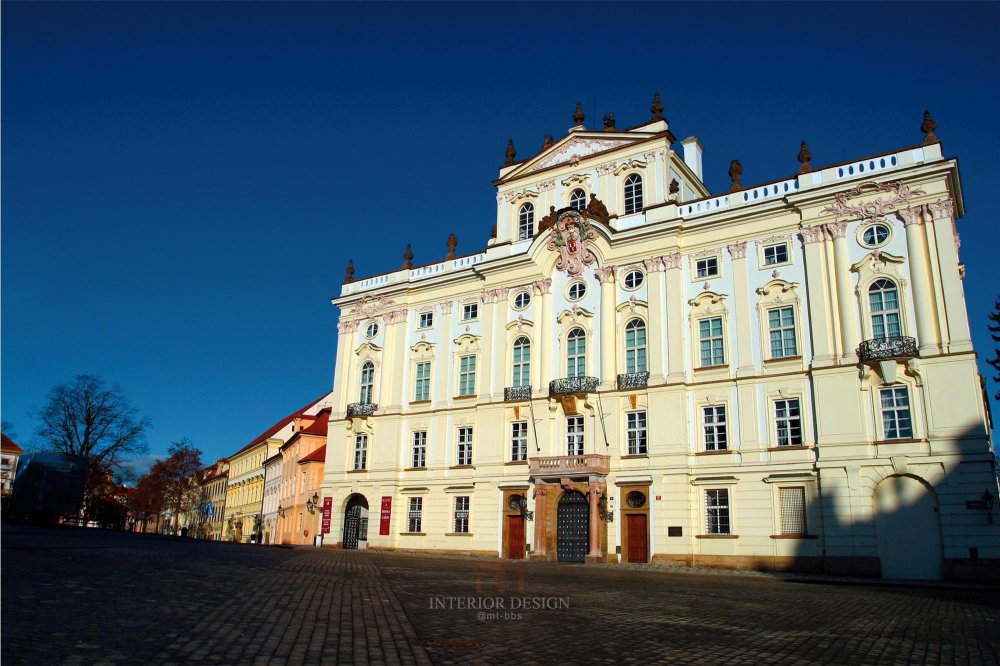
(819, 299)
(657, 305)
(924, 310)
(544, 340)
(674, 310)
(850, 327)
(741, 306)
(608, 317)
(942, 213)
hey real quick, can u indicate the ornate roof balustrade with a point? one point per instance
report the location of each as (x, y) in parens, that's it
(899, 346)
(633, 380)
(517, 394)
(589, 463)
(573, 385)
(361, 409)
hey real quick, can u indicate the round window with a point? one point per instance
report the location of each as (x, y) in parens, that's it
(522, 300)
(635, 499)
(371, 331)
(577, 290)
(875, 235)
(516, 502)
(633, 279)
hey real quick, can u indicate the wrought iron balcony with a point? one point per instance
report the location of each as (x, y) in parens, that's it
(573, 385)
(517, 394)
(361, 409)
(899, 346)
(554, 466)
(633, 380)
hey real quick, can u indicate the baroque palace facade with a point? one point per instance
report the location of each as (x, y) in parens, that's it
(634, 369)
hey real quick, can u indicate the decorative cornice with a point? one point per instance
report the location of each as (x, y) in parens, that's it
(370, 305)
(606, 274)
(738, 249)
(576, 179)
(577, 149)
(546, 185)
(711, 252)
(899, 194)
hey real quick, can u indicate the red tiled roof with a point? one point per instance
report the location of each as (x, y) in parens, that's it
(319, 455)
(320, 425)
(277, 426)
(8, 445)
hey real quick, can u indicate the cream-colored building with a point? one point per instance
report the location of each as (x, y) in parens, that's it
(635, 369)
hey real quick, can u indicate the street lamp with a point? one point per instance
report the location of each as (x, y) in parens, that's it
(312, 504)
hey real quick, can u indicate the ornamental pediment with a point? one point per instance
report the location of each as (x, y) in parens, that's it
(571, 150)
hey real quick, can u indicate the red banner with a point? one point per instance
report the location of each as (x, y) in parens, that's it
(383, 527)
(327, 511)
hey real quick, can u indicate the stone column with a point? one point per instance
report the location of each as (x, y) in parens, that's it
(608, 316)
(920, 272)
(342, 382)
(594, 537)
(441, 375)
(741, 306)
(674, 309)
(492, 344)
(541, 519)
(819, 319)
(850, 328)
(392, 386)
(657, 305)
(942, 213)
(544, 340)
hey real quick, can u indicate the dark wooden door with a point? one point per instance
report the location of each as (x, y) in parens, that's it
(638, 540)
(515, 537)
(572, 527)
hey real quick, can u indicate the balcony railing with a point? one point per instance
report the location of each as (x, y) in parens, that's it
(633, 380)
(517, 394)
(899, 346)
(361, 409)
(573, 385)
(590, 463)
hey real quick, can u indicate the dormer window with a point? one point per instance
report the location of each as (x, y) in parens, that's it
(633, 194)
(526, 222)
(578, 200)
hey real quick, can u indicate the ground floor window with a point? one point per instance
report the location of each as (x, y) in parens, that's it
(717, 511)
(461, 515)
(793, 510)
(415, 514)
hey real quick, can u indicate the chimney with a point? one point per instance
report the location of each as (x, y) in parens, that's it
(692, 155)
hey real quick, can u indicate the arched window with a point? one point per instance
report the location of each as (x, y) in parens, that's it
(367, 382)
(522, 362)
(635, 346)
(633, 194)
(526, 222)
(578, 200)
(576, 353)
(883, 298)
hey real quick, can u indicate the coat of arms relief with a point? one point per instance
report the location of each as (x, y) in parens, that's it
(571, 236)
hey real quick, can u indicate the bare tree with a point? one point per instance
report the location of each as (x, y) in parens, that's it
(177, 475)
(87, 418)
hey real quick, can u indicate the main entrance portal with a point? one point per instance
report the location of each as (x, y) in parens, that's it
(572, 527)
(355, 522)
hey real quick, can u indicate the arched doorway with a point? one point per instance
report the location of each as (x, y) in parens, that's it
(572, 527)
(355, 521)
(908, 529)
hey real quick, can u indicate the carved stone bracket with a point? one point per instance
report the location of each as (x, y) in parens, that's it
(606, 274)
(446, 306)
(837, 229)
(349, 326)
(395, 317)
(653, 265)
(738, 250)
(495, 295)
(814, 234)
(672, 260)
(370, 305)
(944, 209)
(543, 286)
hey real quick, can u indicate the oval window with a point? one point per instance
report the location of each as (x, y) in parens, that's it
(577, 290)
(371, 331)
(635, 499)
(522, 300)
(633, 279)
(875, 235)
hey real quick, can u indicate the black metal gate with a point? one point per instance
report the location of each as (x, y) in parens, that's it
(572, 527)
(353, 527)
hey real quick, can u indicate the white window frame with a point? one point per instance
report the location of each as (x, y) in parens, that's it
(467, 375)
(717, 341)
(462, 514)
(423, 383)
(630, 277)
(636, 427)
(522, 300)
(714, 428)
(518, 441)
(464, 447)
(582, 201)
(782, 330)
(784, 425)
(718, 506)
(702, 272)
(425, 320)
(367, 383)
(801, 518)
(902, 428)
(576, 360)
(470, 311)
(775, 261)
(418, 449)
(580, 284)
(633, 198)
(884, 314)
(521, 362)
(636, 354)
(360, 452)
(575, 433)
(526, 221)
(415, 515)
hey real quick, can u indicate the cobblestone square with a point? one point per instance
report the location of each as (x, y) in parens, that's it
(90, 597)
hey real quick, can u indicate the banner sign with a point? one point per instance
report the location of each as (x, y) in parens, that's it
(327, 511)
(383, 527)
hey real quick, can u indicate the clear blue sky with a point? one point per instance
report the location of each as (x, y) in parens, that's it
(183, 184)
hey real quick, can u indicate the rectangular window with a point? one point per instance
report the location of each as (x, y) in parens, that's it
(461, 515)
(360, 451)
(781, 328)
(717, 511)
(776, 254)
(419, 458)
(465, 446)
(710, 341)
(793, 510)
(422, 386)
(467, 375)
(415, 515)
(708, 267)
(896, 422)
(426, 320)
(574, 436)
(788, 420)
(714, 424)
(519, 441)
(635, 433)
(470, 311)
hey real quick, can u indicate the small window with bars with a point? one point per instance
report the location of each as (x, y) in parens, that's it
(793, 510)
(519, 441)
(717, 511)
(461, 515)
(415, 514)
(465, 446)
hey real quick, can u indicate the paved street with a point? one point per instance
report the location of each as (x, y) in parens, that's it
(89, 597)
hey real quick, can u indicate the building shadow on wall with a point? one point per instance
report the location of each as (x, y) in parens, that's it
(908, 519)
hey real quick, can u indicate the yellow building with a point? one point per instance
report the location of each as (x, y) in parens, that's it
(302, 457)
(635, 369)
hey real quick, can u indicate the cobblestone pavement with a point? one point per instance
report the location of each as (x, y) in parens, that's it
(89, 597)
